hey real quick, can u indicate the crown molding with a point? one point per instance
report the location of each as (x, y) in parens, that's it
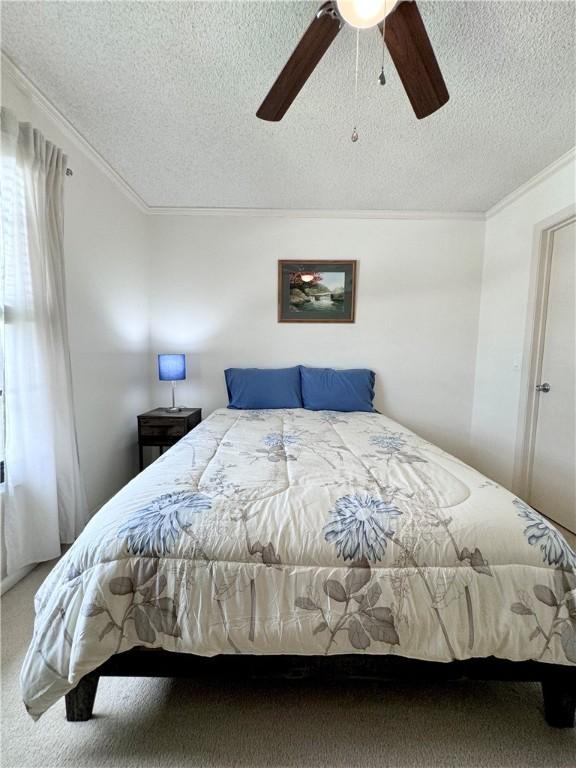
(312, 213)
(549, 170)
(26, 86)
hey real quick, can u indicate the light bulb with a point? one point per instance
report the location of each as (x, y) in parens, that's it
(362, 13)
(306, 278)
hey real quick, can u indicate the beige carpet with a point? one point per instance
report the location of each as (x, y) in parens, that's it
(165, 723)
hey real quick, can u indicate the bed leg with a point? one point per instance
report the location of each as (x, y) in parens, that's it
(559, 702)
(80, 700)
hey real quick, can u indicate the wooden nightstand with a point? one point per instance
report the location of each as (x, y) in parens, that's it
(161, 428)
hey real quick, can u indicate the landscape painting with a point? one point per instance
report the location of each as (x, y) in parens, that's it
(316, 291)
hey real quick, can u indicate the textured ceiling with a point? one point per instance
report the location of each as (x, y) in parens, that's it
(167, 91)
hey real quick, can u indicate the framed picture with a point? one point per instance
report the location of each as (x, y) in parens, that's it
(316, 291)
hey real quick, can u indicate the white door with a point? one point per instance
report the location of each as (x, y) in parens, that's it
(553, 480)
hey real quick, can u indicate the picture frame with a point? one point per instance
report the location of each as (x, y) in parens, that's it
(316, 291)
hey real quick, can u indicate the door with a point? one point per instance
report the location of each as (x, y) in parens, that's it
(553, 476)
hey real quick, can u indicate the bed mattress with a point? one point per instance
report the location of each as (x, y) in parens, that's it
(299, 532)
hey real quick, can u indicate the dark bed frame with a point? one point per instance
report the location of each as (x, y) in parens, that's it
(558, 682)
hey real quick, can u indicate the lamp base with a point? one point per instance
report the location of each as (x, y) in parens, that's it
(175, 408)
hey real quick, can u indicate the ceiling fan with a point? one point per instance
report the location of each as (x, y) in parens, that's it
(406, 39)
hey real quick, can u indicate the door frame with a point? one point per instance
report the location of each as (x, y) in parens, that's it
(534, 345)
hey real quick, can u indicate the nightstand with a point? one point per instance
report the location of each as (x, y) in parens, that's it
(164, 428)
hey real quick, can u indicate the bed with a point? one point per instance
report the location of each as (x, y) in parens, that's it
(291, 540)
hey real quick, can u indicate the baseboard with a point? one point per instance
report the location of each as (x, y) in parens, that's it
(10, 581)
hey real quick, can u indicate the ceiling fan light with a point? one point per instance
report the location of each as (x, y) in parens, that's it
(362, 14)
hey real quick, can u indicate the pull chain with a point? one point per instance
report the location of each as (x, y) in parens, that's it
(382, 76)
(354, 131)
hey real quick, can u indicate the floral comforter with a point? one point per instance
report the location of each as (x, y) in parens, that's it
(299, 532)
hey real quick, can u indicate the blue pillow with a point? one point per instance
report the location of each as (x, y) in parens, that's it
(263, 388)
(325, 389)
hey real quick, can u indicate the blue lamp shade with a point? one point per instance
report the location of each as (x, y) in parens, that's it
(171, 367)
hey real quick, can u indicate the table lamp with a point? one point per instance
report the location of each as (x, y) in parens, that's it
(172, 368)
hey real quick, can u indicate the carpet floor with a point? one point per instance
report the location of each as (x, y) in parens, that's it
(223, 724)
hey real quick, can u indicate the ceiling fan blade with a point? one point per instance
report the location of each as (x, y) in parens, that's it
(312, 46)
(413, 56)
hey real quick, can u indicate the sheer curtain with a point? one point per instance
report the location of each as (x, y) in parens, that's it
(44, 500)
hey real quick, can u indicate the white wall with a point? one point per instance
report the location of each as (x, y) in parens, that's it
(503, 316)
(107, 289)
(441, 309)
(214, 297)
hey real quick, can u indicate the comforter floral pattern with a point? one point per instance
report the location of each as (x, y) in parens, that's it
(298, 532)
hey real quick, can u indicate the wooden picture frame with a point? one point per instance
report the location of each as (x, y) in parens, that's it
(317, 291)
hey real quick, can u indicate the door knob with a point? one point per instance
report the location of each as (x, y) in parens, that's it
(543, 387)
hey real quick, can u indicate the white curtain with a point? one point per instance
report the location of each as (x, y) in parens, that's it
(44, 499)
